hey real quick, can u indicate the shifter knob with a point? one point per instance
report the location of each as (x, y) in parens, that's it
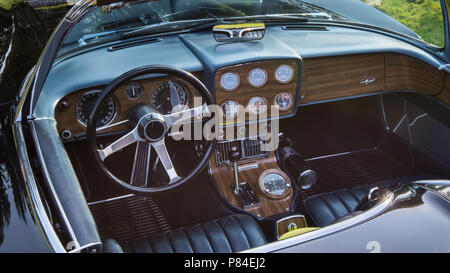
(234, 154)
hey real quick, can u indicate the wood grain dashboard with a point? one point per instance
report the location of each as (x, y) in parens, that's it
(344, 76)
(322, 79)
(65, 111)
(268, 91)
(250, 172)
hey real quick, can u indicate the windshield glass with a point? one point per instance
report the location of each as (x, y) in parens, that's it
(157, 16)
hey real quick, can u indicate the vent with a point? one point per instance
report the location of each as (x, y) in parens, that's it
(315, 28)
(250, 148)
(134, 43)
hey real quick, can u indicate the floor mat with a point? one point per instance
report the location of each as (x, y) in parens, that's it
(129, 217)
(353, 169)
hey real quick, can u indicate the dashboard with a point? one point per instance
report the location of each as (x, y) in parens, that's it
(251, 88)
(72, 111)
(257, 86)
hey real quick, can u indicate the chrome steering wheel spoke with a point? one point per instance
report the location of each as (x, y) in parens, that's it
(186, 115)
(119, 144)
(164, 157)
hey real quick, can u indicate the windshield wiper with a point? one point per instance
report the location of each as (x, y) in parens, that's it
(303, 17)
(173, 26)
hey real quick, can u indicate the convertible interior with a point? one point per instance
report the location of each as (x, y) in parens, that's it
(356, 112)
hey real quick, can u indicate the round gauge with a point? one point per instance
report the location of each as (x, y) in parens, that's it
(257, 105)
(257, 77)
(229, 109)
(284, 73)
(229, 81)
(162, 98)
(283, 100)
(275, 183)
(86, 104)
(134, 90)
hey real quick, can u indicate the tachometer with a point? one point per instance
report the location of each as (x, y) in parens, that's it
(162, 99)
(86, 104)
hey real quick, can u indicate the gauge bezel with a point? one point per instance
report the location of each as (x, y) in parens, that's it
(292, 74)
(256, 85)
(236, 113)
(288, 190)
(283, 108)
(180, 84)
(82, 123)
(230, 89)
(129, 84)
(255, 112)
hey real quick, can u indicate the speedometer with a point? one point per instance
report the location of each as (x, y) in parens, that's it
(257, 77)
(86, 104)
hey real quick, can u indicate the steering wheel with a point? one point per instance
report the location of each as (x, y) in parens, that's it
(149, 130)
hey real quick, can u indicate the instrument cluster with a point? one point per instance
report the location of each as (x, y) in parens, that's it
(261, 77)
(73, 111)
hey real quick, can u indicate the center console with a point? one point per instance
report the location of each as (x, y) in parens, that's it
(250, 178)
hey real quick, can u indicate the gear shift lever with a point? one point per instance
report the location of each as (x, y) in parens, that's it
(234, 156)
(243, 191)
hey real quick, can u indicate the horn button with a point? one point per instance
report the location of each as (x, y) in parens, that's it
(154, 130)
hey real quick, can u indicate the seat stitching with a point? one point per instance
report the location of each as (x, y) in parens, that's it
(189, 240)
(350, 192)
(242, 229)
(226, 236)
(342, 201)
(328, 206)
(170, 242)
(207, 237)
(150, 244)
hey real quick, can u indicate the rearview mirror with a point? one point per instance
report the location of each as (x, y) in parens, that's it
(239, 32)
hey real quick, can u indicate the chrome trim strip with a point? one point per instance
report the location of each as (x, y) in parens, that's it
(339, 154)
(328, 230)
(38, 207)
(48, 180)
(399, 123)
(386, 126)
(417, 118)
(110, 199)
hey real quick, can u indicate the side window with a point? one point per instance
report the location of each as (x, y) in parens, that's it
(424, 17)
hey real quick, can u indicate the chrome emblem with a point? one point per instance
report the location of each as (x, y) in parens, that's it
(368, 80)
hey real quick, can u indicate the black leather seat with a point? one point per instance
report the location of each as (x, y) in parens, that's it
(327, 208)
(225, 235)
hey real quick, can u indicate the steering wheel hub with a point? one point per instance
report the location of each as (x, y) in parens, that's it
(154, 129)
